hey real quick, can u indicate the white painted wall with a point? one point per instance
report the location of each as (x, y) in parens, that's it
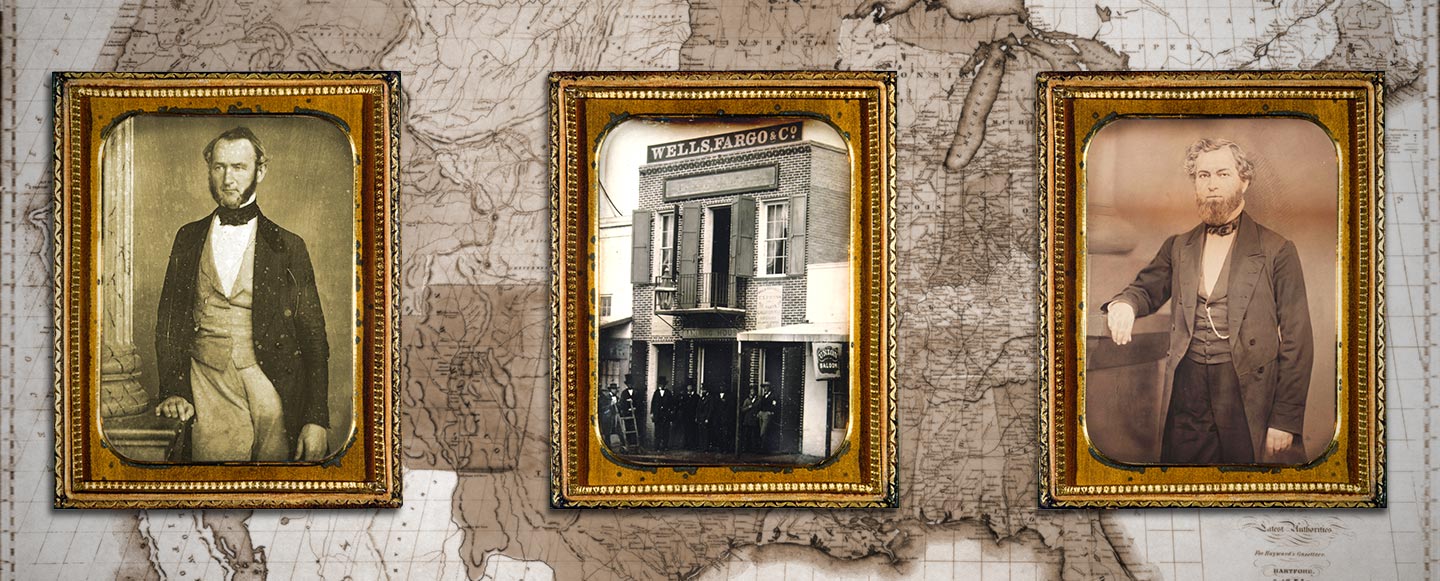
(612, 249)
(812, 432)
(827, 301)
(827, 296)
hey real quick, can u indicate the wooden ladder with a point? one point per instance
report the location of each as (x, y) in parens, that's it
(629, 431)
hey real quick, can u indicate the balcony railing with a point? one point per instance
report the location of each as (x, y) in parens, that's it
(704, 291)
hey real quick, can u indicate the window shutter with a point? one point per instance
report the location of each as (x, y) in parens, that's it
(742, 237)
(796, 245)
(640, 232)
(689, 254)
(687, 257)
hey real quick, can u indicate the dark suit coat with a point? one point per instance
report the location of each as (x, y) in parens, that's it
(662, 406)
(631, 403)
(1271, 341)
(286, 320)
(722, 412)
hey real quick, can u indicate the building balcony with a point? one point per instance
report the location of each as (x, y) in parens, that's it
(695, 294)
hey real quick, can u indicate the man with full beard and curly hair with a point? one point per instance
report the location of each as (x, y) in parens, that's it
(1238, 369)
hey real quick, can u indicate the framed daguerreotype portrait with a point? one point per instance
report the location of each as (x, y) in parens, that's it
(1212, 326)
(724, 289)
(225, 275)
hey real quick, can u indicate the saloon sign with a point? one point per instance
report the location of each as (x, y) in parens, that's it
(828, 360)
(724, 142)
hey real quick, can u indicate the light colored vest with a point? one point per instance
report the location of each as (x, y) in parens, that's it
(223, 331)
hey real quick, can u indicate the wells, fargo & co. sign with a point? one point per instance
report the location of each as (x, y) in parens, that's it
(724, 142)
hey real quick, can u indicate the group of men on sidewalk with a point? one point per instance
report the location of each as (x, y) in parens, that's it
(706, 419)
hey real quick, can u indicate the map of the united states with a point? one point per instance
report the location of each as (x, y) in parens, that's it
(475, 315)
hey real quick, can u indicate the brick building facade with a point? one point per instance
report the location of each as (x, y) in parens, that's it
(740, 275)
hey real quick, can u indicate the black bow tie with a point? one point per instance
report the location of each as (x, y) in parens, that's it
(1224, 229)
(237, 216)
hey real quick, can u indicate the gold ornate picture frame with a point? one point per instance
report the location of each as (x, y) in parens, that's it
(236, 348)
(1212, 317)
(724, 287)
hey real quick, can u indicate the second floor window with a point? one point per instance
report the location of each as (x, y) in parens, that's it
(774, 231)
(665, 237)
(605, 303)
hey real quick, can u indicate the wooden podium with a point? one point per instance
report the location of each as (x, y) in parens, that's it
(1123, 387)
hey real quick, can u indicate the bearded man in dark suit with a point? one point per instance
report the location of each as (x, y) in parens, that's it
(1241, 345)
(240, 336)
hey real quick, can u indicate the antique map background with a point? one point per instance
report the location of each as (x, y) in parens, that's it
(475, 314)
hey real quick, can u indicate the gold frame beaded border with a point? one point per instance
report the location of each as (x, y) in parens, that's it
(573, 372)
(1064, 442)
(81, 480)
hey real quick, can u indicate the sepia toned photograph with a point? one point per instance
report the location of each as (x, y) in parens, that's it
(1212, 312)
(723, 325)
(234, 348)
(226, 343)
(722, 289)
(1208, 353)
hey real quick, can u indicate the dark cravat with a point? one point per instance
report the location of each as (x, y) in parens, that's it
(1223, 229)
(238, 216)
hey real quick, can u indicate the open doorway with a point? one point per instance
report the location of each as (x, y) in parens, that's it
(719, 290)
(717, 366)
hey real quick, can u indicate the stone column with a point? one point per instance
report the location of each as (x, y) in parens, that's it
(120, 391)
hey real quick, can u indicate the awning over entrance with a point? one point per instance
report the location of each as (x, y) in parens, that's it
(607, 325)
(801, 333)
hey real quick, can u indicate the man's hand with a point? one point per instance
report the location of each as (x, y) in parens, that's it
(1121, 319)
(1277, 441)
(175, 407)
(310, 446)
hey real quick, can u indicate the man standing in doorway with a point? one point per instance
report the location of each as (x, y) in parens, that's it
(756, 414)
(687, 416)
(722, 418)
(662, 413)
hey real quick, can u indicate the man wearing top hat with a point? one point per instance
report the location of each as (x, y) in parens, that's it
(662, 413)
